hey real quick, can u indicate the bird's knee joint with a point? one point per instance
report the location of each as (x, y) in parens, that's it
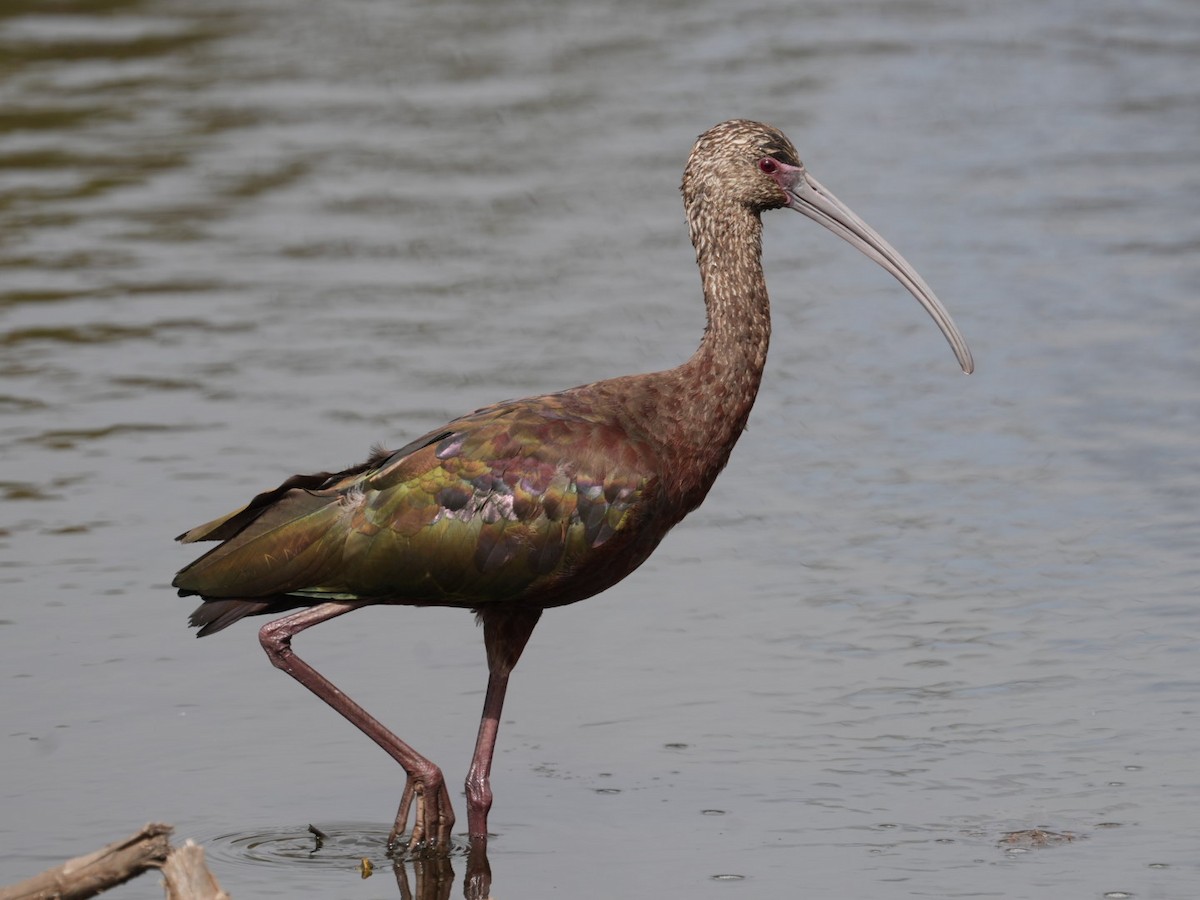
(479, 793)
(428, 779)
(275, 640)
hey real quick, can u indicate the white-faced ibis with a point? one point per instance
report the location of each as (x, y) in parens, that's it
(531, 503)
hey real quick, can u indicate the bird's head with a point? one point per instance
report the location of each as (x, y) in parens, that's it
(727, 163)
(754, 166)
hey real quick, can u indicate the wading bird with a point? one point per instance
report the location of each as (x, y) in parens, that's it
(531, 503)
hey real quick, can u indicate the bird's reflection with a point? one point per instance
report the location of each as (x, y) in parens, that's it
(432, 877)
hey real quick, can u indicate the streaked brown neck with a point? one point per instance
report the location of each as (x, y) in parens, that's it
(711, 394)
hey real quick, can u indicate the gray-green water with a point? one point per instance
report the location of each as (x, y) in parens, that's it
(239, 240)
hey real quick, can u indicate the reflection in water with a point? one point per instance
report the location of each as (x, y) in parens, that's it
(433, 873)
(348, 848)
(433, 876)
(432, 879)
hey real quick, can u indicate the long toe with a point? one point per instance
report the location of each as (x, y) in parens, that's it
(401, 822)
(433, 822)
(445, 819)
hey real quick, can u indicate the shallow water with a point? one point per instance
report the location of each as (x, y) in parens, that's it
(918, 612)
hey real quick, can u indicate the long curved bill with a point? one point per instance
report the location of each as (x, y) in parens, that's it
(806, 195)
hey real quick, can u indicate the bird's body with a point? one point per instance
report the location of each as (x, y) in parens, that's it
(546, 501)
(533, 503)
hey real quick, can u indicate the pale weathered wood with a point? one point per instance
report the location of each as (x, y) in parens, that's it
(186, 877)
(86, 876)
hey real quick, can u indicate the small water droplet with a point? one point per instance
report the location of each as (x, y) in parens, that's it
(1117, 895)
(888, 825)
(729, 877)
(1133, 768)
(712, 812)
(1015, 850)
(1159, 866)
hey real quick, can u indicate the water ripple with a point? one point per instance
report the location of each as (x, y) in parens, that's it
(342, 846)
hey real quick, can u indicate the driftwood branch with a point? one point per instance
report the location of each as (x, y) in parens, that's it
(187, 878)
(86, 876)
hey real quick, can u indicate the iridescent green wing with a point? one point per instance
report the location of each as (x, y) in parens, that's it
(499, 505)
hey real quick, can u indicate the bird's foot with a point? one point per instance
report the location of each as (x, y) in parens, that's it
(433, 820)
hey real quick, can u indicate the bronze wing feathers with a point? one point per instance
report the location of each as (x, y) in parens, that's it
(498, 505)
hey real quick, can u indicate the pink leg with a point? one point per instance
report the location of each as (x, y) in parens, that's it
(424, 782)
(505, 633)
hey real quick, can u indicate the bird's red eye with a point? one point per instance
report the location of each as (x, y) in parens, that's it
(768, 166)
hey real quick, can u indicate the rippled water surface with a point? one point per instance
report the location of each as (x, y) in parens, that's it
(917, 613)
